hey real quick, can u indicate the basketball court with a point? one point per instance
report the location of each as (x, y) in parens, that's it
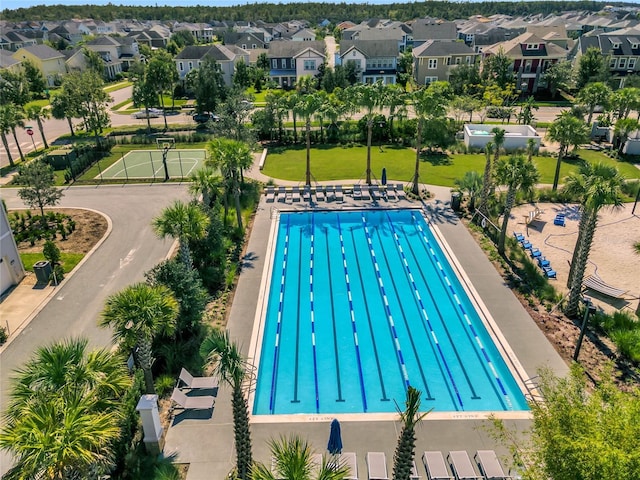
(165, 161)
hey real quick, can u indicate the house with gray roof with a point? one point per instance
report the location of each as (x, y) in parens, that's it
(246, 40)
(226, 57)
(434, 60)
(17, 40)
(425, 29)
(70, 31)
(622, 47)
(376, 60)
(291, 60)
(8, 62)
(118, 53)
(49, 61)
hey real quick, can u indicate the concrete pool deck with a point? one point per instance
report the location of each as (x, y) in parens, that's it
(206, 441)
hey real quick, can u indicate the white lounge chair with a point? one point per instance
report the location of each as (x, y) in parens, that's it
(190, 381)
(282, 194)
(374, 190)
(597, 285)
(349, 460)
(357, 192)
(462, 466)
(339, 194)
(271, 194)
(204, 402)
(320, 196)
(377, 466)
(435, 465)
(365, 192)
(399, 188)
(306, 193)
(414, 473)
(316, 464)
(490, 465)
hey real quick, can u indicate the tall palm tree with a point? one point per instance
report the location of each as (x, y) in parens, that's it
(597, 185)
(369, 97)
(292, 457)
(137, 314)
(568, 131)
(5, 127)
(518, 174)
(37, 113)
(231, 367)
(498, 142)
(16, 119)
(405, 450)
(182, 221)
(396, 98)
(206, 182)
(63, 412)
(531, 149)
(230, 157)
(428, 104)
(308, 106)
(486, 182)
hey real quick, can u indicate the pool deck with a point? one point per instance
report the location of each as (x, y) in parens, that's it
(205, 441)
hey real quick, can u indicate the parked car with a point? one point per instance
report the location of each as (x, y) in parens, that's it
(204, 117)
(143, 114)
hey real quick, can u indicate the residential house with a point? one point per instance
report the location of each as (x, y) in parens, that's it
(622, 47)
(70, 31)
(478, 34)
(18, 40)
(292, 60)
(381, 30)
(11, 268)
(118, 53)
(377, 60)
(75, 59)
(246, 40)
(433, 60)
(531, 56)
(8, 62)
(154, 37)
(425, 29)
(49, 61)
(226, 56)
(303, 35)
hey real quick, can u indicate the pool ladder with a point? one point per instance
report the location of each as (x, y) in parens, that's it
(533, 393)
(275, 213)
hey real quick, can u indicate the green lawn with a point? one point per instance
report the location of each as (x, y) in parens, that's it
(338, 163)
(117, 86)
(68, 260)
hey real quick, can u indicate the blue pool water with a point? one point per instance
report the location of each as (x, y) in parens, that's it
(363, 304)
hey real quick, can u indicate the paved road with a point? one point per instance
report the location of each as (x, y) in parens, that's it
(330, 45)
(130, 250)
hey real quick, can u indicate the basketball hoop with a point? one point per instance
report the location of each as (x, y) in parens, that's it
(165, 144)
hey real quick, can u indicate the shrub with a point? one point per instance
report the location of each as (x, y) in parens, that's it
(628, 343)
(3, 335)
(164, 385)
(51, 252)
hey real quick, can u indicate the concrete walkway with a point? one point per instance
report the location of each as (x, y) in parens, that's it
(206, 441)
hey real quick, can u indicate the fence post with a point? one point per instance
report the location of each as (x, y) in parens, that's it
(126, 174)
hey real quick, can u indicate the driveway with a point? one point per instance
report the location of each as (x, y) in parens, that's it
(130, 250)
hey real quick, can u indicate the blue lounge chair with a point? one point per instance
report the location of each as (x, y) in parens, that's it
(549, 272)
(519, 236)
(543, 262)
(527, 245)
(559, 220)
(535, 253)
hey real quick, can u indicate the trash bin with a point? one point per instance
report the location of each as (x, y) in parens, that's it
(43, 271)
(455, 201)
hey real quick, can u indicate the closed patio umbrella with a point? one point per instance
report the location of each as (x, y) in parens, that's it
(335, 439)
(383, 179)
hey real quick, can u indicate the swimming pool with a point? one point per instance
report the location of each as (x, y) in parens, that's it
(363, 304)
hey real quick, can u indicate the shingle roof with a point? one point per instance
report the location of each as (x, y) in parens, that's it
(435, 48)
(289, 49)
(371, 48)
(219, 53)
(6, 60)
(514, 48)
(427, 29)
(44, 52)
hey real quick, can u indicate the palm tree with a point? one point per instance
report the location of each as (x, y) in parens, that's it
(396, 101)
(5, 127)
(231, 367)
(568, 131)
(137, 314)
(470, 184)
(369, 97)
(486, 182)
(498, 142)
(518, 174)
(624, 127)
(230, 157)
(592, 95)
(37, 113)
(206, 182)
(532, 146)
(308, 106)
(292, 457)
(15, 118)
(428, 104)
(405, 450)
(597, 185)
(184, 222)
(63, 415)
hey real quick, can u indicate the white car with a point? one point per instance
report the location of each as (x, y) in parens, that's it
(143, 114)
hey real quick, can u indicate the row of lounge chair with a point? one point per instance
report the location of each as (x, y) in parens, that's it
(331, 193)
(536, 255)
(188, 383)
(458, 466)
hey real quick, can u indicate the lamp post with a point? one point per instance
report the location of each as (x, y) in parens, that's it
(589, 310)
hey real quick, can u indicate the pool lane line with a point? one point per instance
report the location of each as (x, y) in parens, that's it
(423, 310)
(296, 362)
(387, 309)
(507, 400)
(406, 323)
(333, 319)
(353, 319)
(276, 351)
(312, 313)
